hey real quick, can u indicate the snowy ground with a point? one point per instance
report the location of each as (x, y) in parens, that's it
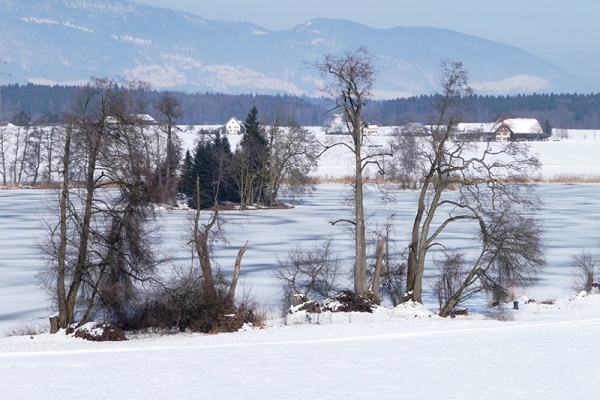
(543, 351)
(547, 352)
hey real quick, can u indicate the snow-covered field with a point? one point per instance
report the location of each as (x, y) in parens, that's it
(542, 351)
(579, 154)
(547, 352)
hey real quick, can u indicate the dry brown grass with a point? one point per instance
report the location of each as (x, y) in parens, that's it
(348, 179)
(503, 316)
(574, 178)
(27, 330)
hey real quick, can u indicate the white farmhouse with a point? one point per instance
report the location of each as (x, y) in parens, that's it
(520, 129)
(233, 127)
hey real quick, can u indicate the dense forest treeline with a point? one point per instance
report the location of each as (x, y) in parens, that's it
(574, 111)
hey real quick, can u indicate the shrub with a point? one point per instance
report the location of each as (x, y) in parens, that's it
(584, 271)
(194, 310)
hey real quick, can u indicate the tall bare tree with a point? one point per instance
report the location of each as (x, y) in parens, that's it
(348, 83)
(170, 108)
(492, 191)
(20, 145)
(99, 244)
(4, 147)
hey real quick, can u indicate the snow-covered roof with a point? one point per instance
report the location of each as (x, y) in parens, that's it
(523, 125)
(144, 117)
(483, 127)
(234, 119)
(516, 125)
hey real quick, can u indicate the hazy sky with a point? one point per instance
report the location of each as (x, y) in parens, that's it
(566, 33)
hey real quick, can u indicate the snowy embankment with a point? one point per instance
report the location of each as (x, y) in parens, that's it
(547, 351)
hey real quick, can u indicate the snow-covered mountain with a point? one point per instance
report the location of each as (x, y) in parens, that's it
(68, 41)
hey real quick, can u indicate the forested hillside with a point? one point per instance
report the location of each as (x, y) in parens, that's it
(574, 111)
(198, 108)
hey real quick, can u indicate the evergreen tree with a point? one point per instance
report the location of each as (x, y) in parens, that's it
(211, 170)
(251, 162)
(547, 127)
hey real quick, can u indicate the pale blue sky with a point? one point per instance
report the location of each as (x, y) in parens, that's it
(566, 33)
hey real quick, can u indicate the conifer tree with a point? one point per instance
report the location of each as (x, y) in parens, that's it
(251, 166)
(211, 167)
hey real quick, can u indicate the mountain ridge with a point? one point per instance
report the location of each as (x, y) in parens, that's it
(68, 41)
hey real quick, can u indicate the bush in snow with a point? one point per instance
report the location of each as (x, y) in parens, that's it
(585, 276)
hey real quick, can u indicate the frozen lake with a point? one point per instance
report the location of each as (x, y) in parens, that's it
(571, 213)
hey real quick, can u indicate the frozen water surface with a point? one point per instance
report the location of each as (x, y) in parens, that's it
(571, 213)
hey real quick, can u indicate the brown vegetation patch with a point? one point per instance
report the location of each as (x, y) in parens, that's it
(348, 301)
(100, 333)
(195, 311)
(463, 311)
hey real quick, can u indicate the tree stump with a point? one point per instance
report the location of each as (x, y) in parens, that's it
(54, 324)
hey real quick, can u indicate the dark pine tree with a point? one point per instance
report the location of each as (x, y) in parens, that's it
(211, 170)
(547, 127)
(254, 148)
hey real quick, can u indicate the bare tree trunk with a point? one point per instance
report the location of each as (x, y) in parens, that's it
(202, 249)
(236, 274)
(54, 326)
(360, 267)
(377, 273)
(82, 251)
(63, 319)
(3, 151)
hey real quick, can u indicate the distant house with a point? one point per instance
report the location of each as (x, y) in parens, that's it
(519, 129)
(506, 130)
(233, 127)
(371, 130)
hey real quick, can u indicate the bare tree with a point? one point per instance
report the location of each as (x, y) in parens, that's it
(170, 108)
(49, 147)
(451, 274)
(293, 153)
(309, 271)
(34, 155)
(392, 275)
(99, 245)
(585, 275)
(492, 192)
(348, 82)
(406, 164)
(4, 146)
(20, 146)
